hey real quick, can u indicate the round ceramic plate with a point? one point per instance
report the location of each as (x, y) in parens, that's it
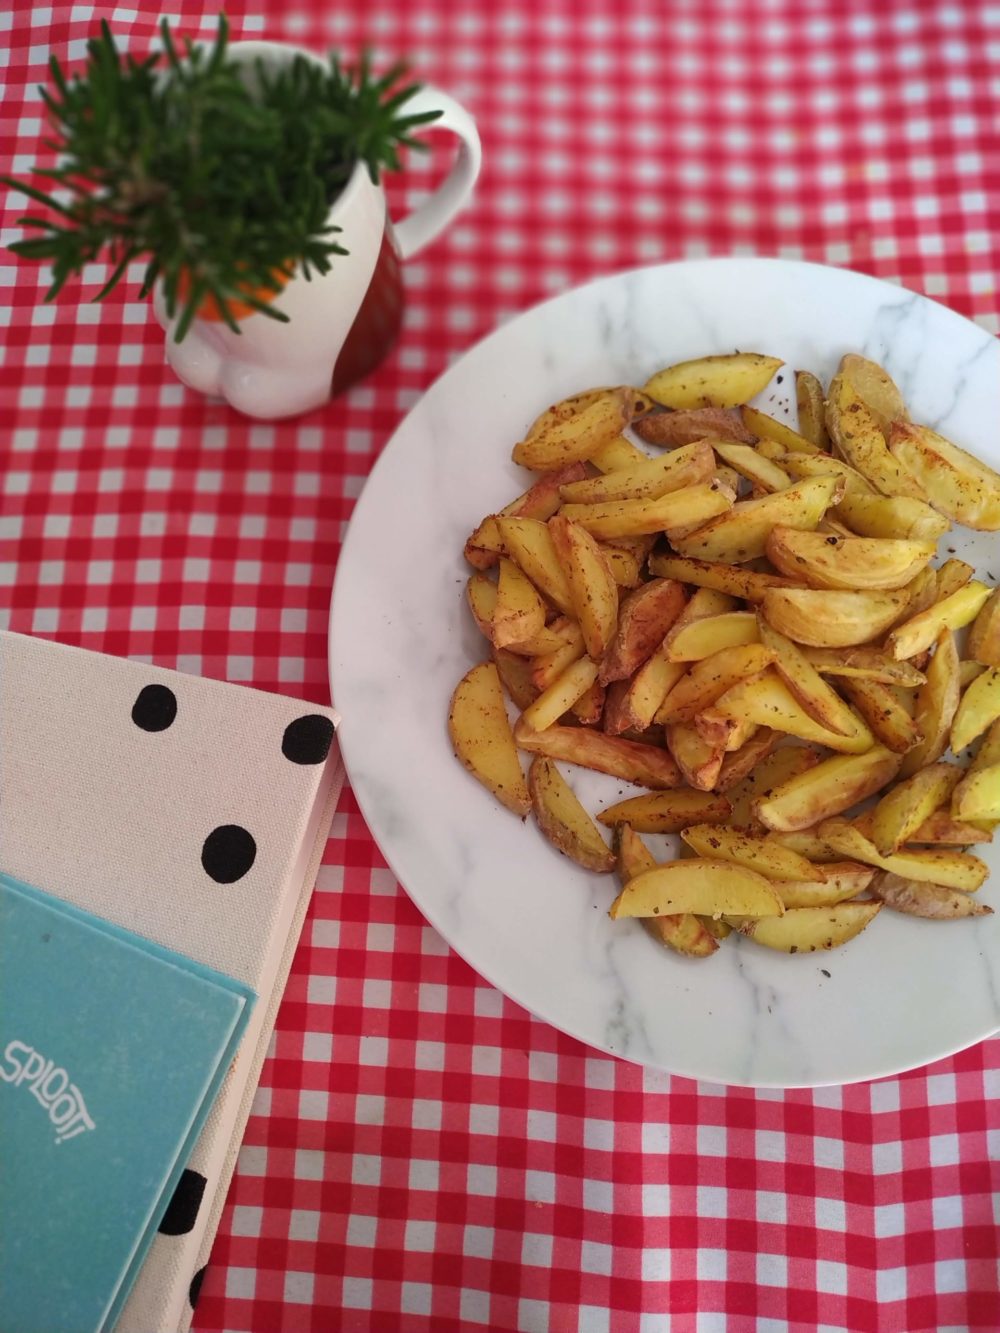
(905, 991)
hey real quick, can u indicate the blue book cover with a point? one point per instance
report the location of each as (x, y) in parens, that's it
(112, 1049)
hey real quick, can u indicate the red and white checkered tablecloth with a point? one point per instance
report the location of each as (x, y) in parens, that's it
(423, 1154)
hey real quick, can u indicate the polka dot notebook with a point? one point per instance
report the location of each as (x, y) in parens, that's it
(190, 812)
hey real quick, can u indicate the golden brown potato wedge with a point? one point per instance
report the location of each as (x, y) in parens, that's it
(706, 680)
(824, 560)
(920, 631)
(644, 619)
(575, 438)
(876, 389)
(632, 704)
(936, 702)
(712, 381)
(589, 708)
(736, 582)
(931, 865)
(563, 819)
(633, 518)
(824, 618)
(902, 811)
(740, 534)
(625, 566)
(481, 593)
(833, 883)
(915, 897)
(648, 480)
(984, 636)
(592, 585)
(808, 929)
(668, 811)
(616, 454)
(864, 664)
(809, 844)
(977, 796)
(770, 430)
(893, 516)
(825, 790)
(978, 709)
(548, 667)
(958, 485)
(768, 702)
(745, 776)
(699, 761)
(645, 765)
(888, 719)
(941, 828)
(858, 438)
(561, 695)
(710, 888)
(481, 736)
(758, 852)
(952, 575)
(540, 501)
(684, 932)
(671, 429)
(805, 682)
(748, 461)
(519, 612)
(700, 638)
(528, 542)
(811, 402)
(825, 465)
(515, 677)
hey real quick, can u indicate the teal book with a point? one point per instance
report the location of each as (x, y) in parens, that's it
(112, 1050)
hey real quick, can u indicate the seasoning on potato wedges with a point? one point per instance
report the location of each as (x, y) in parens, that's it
(563, 819)
(825, 790)
(481, 736)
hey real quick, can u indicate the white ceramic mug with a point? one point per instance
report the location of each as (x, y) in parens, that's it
(342, 323)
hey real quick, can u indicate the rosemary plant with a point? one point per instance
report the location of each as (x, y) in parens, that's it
(220, 174)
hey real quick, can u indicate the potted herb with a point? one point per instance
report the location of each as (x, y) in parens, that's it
(246, 177)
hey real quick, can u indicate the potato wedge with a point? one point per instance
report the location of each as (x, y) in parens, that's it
(767, 701)
(824, 618)
(770, 430)
(772, 769)
(616, 454)
(700, 638)
(481, 736)
(563, 819)
(895, 516)
(952, 575)
(809, 687)
(643, 621)
(515, 677)
(481, 594)
(808, 929)
(632, 704)
(984, 636)
(710, 888)
(589, 708)
(745, 583)
(632, 518)
(684, 933)
(876, 389)
(645, 765)
(811, 402)
(561, 695)
(755, 851)
(740, 762)
(915, 897)
(825, 465)
(835, 882)
(648, 480)
(699, 761)
(671, 429)
(978, 709)
(932, 865)
(625, 566)
(936, 703)
(713, 381)
(889, 721)
(808, 843)
(592, 585)
(901, 812)
(858, 438)
(958, 485)
(548, 667)
(864, 664)
(977, 796)
(668, 811)
(824, 560)
(943, 829)
(528, 542)
(749, 462)
(740, 534)
(539, 501)
(575, 438)
(954, 612)
(706, 680)
(519, 612)
(825, 790)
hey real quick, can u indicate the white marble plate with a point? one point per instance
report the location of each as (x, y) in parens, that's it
(904, 992)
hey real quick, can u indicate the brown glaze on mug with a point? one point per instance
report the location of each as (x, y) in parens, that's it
(376, 324)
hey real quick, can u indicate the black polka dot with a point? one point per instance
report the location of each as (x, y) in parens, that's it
(155, 708)
(228, 853)
(307, 740)
(182, 1210)
(194, 1291)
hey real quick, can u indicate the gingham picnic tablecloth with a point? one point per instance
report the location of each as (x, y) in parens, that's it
(423, 1154)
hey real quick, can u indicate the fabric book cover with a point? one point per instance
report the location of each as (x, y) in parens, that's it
(193, 813)
(111, 1051)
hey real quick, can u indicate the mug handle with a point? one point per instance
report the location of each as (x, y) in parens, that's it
(431, 216)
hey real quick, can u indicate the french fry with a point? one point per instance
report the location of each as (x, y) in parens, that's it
(710, 888)
(959, 486)
(574, 439)
(712, 381)
(668, 811)
(858, 438)
(809, 687)
(771, 431)
(936, 703)
(700, 638)
(529, 543)
(589, 708)
(706, 680)
(592, 585)
(540, 501)
(755, 851)
(751, 463)
(561, 695)
(481, 736)
(736, 582)
(630, 518)
(835, 882)
(563, 819)
(825, 790)
(876, 389)
(808, 929)
(824, 560)
(931, 865)
(978, 709)
(984, 637)
(811, 402)
(831, 619)
(917, 898)
(684, 932)
(643, 621)
(888, 719)
(699, 761)
(672, 429)
(645, 765)
(741, 532)
(954, 612)
(648, 480)
(902, 811)
(519, 612)
(864, 664)
(767, 701)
